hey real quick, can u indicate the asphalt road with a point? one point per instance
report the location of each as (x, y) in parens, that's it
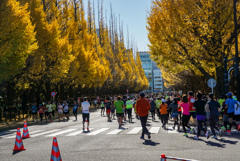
(106, 143)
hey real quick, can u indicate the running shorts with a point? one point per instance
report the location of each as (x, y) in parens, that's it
(119, 114)
(113, 110)
(225, 118)
(174, 115)
(65, 113)
(108, 111)
(231, 115)
(85, 115)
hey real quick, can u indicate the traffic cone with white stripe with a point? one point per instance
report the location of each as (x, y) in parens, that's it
(55, 156)
(25, 131)
(18, 143)
(163, 157)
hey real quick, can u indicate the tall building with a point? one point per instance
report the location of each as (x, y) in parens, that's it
(152, 72)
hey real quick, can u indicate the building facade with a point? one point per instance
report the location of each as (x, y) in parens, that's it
(152, 72)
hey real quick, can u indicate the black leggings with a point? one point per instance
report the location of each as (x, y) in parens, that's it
(75, 114)
(153, 115)
(213, 126)
(179, 116)
(164, 119)
(185, 120)
(144, 123)
(129, 112)
(200, 127)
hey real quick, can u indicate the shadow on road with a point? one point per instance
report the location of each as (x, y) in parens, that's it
(227, 141)
(15, 152)
(150, 142)
(210, 143)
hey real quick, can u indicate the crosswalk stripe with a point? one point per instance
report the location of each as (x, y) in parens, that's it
(154, 130)
(77, 132)
(46, 132)
(135, 130)
(171, 131)
(61, 132)
(33, 132)
(98, 131)
(114, 132)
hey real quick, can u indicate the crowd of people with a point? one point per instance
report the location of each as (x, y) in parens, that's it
(202, 110)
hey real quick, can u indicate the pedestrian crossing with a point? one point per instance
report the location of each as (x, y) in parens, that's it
(77, 131)
(93, 131)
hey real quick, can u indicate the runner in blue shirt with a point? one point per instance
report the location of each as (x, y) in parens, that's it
(34, 111)
(230, 103)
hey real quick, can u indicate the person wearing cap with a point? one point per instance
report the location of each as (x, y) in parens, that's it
(230, 103)
(164, 113)
(143, 107)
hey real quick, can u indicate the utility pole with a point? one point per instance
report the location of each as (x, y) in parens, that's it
(236, 50)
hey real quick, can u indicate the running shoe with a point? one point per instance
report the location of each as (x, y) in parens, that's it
(149, 135)
(83, 128)
(173, 127)
(214, 137)
(88, 129)
(223, 128)
(185, 134)
(207, 134)
(228, 132)
(196, 137)
(142, 137)
(192, 131)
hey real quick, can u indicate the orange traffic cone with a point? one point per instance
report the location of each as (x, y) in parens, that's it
(18, 143)
(25, 131)
(55, 156)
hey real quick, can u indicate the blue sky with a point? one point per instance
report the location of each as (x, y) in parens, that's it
(133, 13)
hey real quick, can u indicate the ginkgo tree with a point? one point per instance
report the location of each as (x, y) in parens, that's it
(192, 35)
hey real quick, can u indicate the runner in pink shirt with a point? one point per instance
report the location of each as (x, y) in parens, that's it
(186, 114)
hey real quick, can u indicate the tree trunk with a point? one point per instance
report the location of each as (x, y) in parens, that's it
(220, 82)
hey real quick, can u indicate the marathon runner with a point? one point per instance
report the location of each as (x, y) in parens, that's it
(129, 106)
(199, 106)
(186, 116)
(85, 113)
(230, 103)
(213, 106)
(174, 109)
(108, 105)
(119, 105)
(153, 109)
(192, 112)
(143, 106)
(102, 108)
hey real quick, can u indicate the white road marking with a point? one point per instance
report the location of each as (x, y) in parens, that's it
(114, 132)
(98, 131)
(135, 130)
(61, 132)
(33, 132)
(154, 130)
(77, 132)
(46, 132)
(171, 131)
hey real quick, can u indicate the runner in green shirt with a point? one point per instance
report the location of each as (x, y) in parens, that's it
(158, 103)
(119, 105)
(129, 106)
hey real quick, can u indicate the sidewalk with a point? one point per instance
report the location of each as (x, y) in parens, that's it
(19, 124)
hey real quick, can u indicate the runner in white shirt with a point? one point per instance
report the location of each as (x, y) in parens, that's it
(65, 110)
(60, 110)
(237, 114)
(85, 113)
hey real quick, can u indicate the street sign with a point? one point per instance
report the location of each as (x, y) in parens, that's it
(53, 94)
(212, 83)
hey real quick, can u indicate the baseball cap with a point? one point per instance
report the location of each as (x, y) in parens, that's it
(229, 94)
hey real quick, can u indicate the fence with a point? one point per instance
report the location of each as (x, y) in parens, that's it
(165, 158)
